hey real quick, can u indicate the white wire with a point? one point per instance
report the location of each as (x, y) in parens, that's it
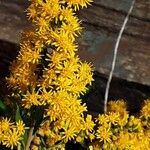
(115, 56)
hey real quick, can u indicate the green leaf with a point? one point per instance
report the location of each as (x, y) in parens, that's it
(2, 106)
(18, 116)
(25, 138)
(43, 143)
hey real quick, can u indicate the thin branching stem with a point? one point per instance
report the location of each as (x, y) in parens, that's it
(115, 56)
(30, 138)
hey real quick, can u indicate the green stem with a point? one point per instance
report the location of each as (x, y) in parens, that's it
(30, 138)
(19, 147)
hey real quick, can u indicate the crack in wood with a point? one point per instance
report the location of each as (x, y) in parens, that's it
(114, 30)
(121, 12)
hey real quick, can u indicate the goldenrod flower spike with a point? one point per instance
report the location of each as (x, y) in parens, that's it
(49, 78)
(49, 73)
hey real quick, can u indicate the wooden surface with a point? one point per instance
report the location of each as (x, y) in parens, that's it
(102, 22)
(12, 19)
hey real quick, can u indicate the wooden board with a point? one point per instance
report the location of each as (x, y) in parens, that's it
(102, 22)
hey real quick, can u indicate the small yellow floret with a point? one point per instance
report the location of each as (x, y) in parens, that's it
(145, 111)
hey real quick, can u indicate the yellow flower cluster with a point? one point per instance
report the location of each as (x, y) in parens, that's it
(47, 59)
(50, 76)
(49, 73)
(58, 133)
(11, 134)
(145, 113)
(117, 106)
(118, 131)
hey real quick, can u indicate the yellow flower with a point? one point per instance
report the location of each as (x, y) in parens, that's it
(79, 139)
(75, 104)
(77, 88)
(31, 98)
(69, 134)
(123, 119)
(63, 42)
(117, 106)
(56, 58)
(123, 140)
(53, 112)
(73, 116)
(34, 147)
(145, 111)
(11, 138)
(95, 146)
(71, 29)
(28, 53)
(52, 139)
(32, 12)
(134, 124)
(22, 75)
(91, 136)
(104, 134)
(70, 23)
(42, 25)
(49, 75)
(50, 9)
(41, 132)
(85, 75)
(89, 124)
(102, 119)
(36, 140)
(20, 126)
(113, 118)
(6, 125)
(46, 96)
(77, 3)
(67, 14)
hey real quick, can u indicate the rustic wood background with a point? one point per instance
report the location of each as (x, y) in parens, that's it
(102, 22)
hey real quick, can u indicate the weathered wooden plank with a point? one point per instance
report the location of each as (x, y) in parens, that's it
(110, 19)
(141, 8)
(102, 23)
(12, 19)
